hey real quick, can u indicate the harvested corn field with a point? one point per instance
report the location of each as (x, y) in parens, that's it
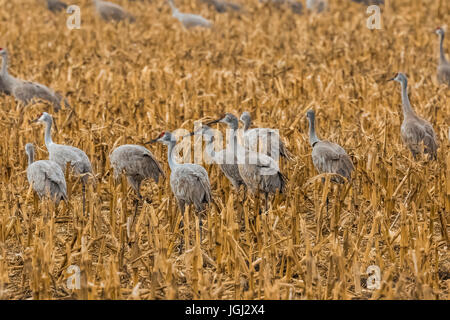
(383, 234)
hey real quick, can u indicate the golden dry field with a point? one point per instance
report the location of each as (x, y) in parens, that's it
(129, 82)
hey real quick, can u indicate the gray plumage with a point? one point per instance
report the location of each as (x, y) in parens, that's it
(189, 182)
(415, 131)
(62, 154)
(265, 137)
(109, 11)
(443, 69)
(316, 5)
(222, 6)
(259, 171)
(56, 5)
(137, 163)
(226, 159)
(26, 91)
(46, 177)
(328, 157)
(189, 20)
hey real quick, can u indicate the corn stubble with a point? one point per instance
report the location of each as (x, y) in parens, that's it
(127, 83)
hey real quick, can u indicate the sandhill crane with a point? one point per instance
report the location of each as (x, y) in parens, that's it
(138, 164)
(189, 182)
(56, 5)
(222, 6)
(226, 158)
(259, 171)
(327, 156)
(62, 154)
(109, 11)
(316, 5)
(267, 137)
(26, 91)
(46, 177)
(415, 130)
(443, 69)
(189, 20)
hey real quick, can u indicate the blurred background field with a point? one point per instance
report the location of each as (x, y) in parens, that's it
(128, 82)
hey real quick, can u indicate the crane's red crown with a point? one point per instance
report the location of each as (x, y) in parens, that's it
(162, 134)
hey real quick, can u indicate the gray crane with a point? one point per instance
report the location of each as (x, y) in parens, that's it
(328, 157)
(138, 164)
(189, 20)
(443, 69)
(109, 11)
(265, 136)
(222, 6)
(415, 130)
(56, 5)
(26, 91)
(63, 154)
(189, 182)
(46, 177)
(259, 171)
(226, 158)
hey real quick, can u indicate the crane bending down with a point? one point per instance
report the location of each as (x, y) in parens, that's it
(138, 164)
(26, 91)
(327, 156)
(267, 137)
(226, 158)
(189, 20)
(415, 130)
(189, 182)
(259, 171)
(443, 69)
(109, 11)
(62, 154)
(46, 177)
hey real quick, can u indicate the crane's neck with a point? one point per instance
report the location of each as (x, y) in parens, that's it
(247, 124)
(8, 80)
(441, 50)
(4, 71)
(30, 157)
(312, 132)
(48, 134)
(172, 6)
(406, 105)
(170, 155)
(210, 149)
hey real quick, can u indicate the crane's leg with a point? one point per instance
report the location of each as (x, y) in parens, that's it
(266, 195)
(83, 190)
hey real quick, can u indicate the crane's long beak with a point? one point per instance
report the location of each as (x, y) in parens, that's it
(152, 141)
(392, 79)
(214, 121)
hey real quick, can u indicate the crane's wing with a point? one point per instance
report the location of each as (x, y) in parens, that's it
(332, 158)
